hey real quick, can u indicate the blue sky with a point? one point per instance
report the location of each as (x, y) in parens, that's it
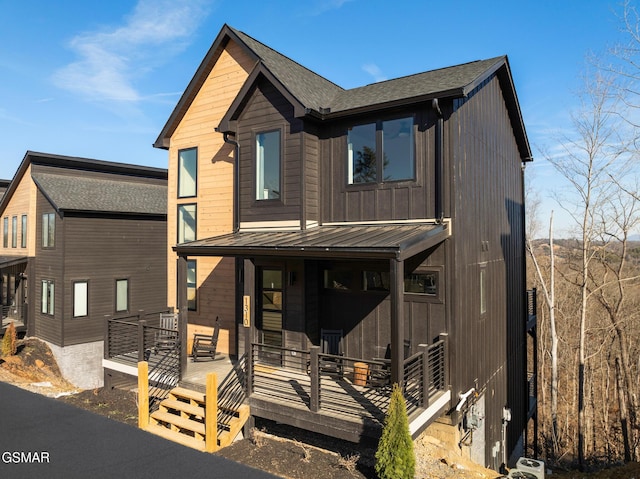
(100, 79)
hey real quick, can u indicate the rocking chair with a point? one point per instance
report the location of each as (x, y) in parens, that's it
(205, 345)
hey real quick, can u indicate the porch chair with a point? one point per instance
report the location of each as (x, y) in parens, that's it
(205, 345)
(167, 336)
(331, 343)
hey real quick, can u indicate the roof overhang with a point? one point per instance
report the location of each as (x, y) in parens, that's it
(8, 261)
(390, 241)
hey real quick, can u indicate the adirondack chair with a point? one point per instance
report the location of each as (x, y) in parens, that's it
(205, 345)
(167, 336)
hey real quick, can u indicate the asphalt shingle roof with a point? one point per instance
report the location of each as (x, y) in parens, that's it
(81, 193)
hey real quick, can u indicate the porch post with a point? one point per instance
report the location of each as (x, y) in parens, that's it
(182, 304)
(397, 321)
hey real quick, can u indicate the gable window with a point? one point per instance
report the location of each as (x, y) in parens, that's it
(192, 290)
(48, 297)
(14, 232)
(23, 241)
(186, 223)
(122, 295)
(80, 299)
(380, 152)
(5, 232)
(268, 165)
(48, 230)
(187, 172)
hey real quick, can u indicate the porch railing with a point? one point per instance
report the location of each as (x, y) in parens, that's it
(532, 308)
(345, 386)
(127, 338)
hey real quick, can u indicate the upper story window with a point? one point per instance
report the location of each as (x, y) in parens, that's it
(268, 165)
(186, 223)
(5, 232)
(23, 243)
(187, 172)
(80, 299)
(14, 232)
(48, 230)
(380, 152)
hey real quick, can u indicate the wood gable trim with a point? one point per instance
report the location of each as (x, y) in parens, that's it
(227, 124)
(194, 86)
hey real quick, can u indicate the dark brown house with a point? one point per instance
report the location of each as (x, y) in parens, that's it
(82, 239)
(379, 238)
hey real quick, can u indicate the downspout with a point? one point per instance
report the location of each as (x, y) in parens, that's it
(236, 180)
(439, 160)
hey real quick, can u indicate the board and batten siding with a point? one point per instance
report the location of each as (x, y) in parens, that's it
(268, 110)
(487, 209)
(215, 276)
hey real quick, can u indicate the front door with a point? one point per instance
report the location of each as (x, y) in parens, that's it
(270, 303)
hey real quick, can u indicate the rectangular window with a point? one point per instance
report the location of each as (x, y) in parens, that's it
(192, 290)
(421, 283)
(48, 297)
(268, 165)
(80, 299)
(376, 281)
(187, 172)
(340, 279)
(483, 290)
(122, 295)
(5, 232)
(381, 151)
(186, 223)
(48, 230)
(14, 232)
(23, 243)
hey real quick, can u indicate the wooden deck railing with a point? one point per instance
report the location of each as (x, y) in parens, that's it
(532, 308)
(126, 338)
(344, 386)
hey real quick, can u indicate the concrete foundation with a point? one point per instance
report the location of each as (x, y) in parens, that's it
(81, 364)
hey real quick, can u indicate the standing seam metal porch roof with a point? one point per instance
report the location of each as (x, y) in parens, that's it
(399, 241)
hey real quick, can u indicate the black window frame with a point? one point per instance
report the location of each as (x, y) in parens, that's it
(73, 290)
(5, 232)
(24, 223)
(192, 305)
(179, 237)
(14, 231)
(50, 220)
(48, 306)
(256, 134)
(179, 193)
(115, 304)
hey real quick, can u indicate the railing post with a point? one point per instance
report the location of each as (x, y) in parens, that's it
(143, 394)
(314, 370)
(426, 377)
(107, 337)
(141, 327)
(249, 370)
(211, 414)
(444, 337)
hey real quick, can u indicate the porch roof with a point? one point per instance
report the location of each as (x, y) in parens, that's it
(399, 241)
(6, 261)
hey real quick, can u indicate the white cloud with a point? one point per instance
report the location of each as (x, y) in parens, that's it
(373, 70)
(110, 60)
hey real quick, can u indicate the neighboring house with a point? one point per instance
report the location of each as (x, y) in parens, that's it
(82, 239)
(4, 184)
(373, 234)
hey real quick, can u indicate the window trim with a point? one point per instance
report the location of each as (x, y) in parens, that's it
(50, 220)
(180, 223)
(195, 285)
(195, 186)
(379, 134)
(257, 133)
(128, 296)
(423, 297)
(86, 298)
(14, 231)
(5, 232)
(48, 297)
(23, 238)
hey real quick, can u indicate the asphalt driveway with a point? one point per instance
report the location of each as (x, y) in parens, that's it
(43, 437)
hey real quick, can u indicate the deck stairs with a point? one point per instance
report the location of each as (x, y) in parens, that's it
(181, 418)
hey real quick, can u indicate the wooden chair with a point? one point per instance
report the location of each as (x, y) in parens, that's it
(205, 345)
(167, 336)
(331, 343)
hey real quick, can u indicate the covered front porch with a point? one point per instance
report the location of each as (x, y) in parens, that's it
(351, 280)
(13, 293)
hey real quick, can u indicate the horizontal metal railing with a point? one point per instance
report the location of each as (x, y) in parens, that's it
(129, 338)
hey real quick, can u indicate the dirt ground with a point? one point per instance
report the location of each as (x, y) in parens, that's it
(283, 451)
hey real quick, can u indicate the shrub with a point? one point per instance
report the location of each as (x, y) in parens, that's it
(9, 347)
(394, 456)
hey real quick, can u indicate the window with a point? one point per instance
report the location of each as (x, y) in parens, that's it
(338, 279)
(187, 172)
(122, 295)
(186, 223)
(483, 289)
(14, 232)
(48, 230)
(376, 281)
(80, 299)
(5, 232)
(268, 165)
(421, 283)
(381, 151)
(192, 290)
(23, 243)
(48, 297)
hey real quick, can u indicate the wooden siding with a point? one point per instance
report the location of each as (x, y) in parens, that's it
(486, 203)
(22, 202)
(215, 282)
(101, 250)
(267, 110)
(401, 200)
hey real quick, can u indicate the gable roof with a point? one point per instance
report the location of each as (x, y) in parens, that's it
(313, 95)
(73, 189)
